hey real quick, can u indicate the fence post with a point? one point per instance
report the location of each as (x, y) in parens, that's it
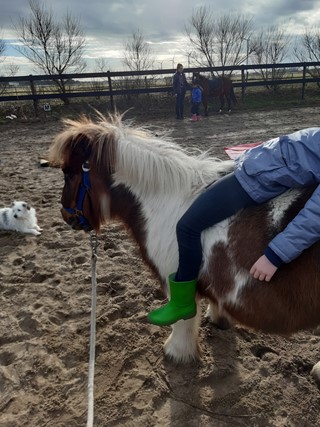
(110, 90)
(304, 80)
(34, 94)
(243, 89)
(146, 84)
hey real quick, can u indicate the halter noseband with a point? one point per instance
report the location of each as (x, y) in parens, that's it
(83, 189)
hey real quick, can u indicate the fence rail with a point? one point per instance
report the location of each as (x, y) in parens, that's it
(114, 83)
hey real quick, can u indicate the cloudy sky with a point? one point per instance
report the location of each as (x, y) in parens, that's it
(108, 24)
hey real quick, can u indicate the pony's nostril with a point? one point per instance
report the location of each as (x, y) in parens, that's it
(77, 226)
(72, 222)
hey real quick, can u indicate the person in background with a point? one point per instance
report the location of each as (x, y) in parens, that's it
(260, 174)
(180, 85)
(196, 97)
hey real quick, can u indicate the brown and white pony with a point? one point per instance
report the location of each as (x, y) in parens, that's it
(148, 182)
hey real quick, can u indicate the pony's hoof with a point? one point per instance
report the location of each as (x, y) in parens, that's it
(222, 323)
(182, 352)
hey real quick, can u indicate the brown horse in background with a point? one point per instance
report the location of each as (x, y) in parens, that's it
(221, 87)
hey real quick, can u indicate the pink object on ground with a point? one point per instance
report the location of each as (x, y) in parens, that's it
(234, 152)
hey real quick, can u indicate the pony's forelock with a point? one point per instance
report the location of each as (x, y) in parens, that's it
(97, 135)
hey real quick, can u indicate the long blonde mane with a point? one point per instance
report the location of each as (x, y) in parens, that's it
(138, 158)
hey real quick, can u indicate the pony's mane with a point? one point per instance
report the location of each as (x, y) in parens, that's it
(201, 77)
(138, 158)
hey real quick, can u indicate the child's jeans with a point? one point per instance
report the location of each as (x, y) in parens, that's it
(195, 108)
(179, 105)
(221, 200)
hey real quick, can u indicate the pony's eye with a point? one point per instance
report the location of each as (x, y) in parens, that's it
(68, 176)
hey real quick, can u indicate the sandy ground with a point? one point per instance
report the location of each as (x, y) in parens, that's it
(243, 379)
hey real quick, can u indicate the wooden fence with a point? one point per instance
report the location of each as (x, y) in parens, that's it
(111, 84)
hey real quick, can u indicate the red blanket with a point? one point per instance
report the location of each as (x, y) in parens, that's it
(234, 152)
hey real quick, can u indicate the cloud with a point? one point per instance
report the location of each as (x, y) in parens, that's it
(157, 18)
(109, 24)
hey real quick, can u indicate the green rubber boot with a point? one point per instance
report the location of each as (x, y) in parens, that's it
(182, 304)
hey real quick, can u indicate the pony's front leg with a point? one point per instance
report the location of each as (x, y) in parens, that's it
(183, 343)
(221, 97)
(229, 103)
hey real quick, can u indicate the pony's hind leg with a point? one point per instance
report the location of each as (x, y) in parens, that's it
(220, 319)
(182, 346)
(205, 105)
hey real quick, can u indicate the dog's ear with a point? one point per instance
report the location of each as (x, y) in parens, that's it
(12, 204)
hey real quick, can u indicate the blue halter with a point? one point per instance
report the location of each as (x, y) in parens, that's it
(83, 189)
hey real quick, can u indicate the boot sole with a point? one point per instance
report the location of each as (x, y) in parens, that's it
(171, 323)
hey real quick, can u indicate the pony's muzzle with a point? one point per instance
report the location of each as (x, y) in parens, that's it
(74, 221)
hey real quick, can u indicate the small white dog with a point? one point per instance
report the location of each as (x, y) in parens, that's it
(19, 217)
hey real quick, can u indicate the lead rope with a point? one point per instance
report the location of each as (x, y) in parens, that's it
(94, 245)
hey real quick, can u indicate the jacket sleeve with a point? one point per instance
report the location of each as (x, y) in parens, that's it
(175, 83)
(301, 233)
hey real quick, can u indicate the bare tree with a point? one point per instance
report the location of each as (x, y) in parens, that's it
(137, 57)
(2, 47)
(101, 66)
(201, 35)
(2, 50)
(8, 70)
(271, 47)
(307, 48)
(137, 53)
(52, 47)
(218, 41)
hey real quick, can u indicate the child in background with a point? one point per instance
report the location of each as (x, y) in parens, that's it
(196, 97)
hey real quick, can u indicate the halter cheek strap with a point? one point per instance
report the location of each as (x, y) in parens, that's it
(84, 188)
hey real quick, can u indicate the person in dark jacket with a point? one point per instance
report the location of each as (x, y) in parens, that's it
(179, 85)
(260, 174)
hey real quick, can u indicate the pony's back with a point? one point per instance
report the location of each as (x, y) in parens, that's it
(291, 301)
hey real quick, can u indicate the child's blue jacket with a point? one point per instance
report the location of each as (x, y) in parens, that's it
(196, 95)
(289, 161)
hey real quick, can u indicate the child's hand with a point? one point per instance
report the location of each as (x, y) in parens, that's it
(263, 269)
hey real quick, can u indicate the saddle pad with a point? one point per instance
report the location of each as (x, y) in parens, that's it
(215, 84)
(234, 152)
